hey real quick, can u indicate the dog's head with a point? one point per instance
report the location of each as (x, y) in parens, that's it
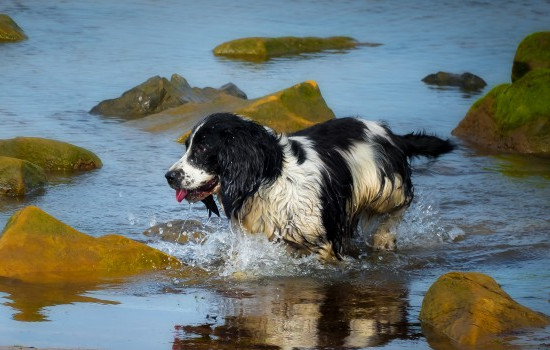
(225, 155)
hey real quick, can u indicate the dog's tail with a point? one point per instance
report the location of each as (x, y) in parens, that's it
(422, 144)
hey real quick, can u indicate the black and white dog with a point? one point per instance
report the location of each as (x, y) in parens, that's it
(311, 188)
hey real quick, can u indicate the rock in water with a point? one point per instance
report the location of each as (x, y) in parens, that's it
(262, 49)
(35, 246)
(288, 110)
(532, 53)
(512, 117)
(158, 94)
(466, 81)
(51, 155)
(471, 309)
(19, 177)
(9, 30)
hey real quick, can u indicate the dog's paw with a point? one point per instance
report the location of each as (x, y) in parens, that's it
(384, 241)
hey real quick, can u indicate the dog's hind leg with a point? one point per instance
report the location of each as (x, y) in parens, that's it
(385, 236)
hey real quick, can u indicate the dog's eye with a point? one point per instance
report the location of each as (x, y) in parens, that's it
(201, 148)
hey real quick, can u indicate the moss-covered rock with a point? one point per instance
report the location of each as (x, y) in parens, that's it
(288, 110)
(291, 109)
(512, 117)
(158, 94)
(9, 30)
(471, 309)
(19, 177)
(51, 155)
(532, 53)
(465, 81)
(261, 48)
(35, 246)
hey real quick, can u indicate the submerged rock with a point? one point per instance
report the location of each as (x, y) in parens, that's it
(158, 94)
(261, 48)
(9, 30)
(51, 155)
(532, 53)
(288, 110)
(512, 117)
(471, 309)
(35, 246)
(19, 177)
(180, 231)
(465, 81)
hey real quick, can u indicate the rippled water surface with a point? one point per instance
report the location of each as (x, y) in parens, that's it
(472, 211)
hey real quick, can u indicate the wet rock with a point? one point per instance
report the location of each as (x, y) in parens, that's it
(471, 309)
(291, 109)
(233, 90)
(262, 49)
(19, 177)
(51, 155)
(158, 94)
(9, 30)
(288, 110)
(180, 231)
(35, 246)
(532, 53)
(465, 81)
(513, 118)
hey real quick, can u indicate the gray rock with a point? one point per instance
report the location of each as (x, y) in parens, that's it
(466, 81)
(158, 94)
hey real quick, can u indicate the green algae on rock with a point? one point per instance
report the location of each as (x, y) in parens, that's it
(51, 155)
(158, 94)
(288, 110)
(35, 246)
(291, 109)
(471, 309)
(9, 30)
(532, 53)
(512, 117)
(19, 177)
(263, 48)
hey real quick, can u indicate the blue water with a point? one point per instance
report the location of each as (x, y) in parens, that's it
(470, 213)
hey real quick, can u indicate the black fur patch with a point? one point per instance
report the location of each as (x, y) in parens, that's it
(298, 151)
(245, 155)
(330, 138)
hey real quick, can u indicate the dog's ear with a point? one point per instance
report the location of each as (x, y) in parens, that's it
(250, 156)
(211, 206)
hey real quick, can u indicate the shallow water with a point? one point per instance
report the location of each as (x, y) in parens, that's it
(472, 211)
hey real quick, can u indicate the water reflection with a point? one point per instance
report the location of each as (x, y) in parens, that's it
(303, 313)
(30, 300)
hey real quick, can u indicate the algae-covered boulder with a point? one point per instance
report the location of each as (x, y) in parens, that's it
(466, 81)
(35, 244)
(532, 53)
(19, 177)
(9, 30)
(262, 48)
(291, 109)
(288, 110)
(51, 155)
(512, 117)
(471, 309)
(158, 94)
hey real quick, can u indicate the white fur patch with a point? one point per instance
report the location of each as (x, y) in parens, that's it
(289, 208)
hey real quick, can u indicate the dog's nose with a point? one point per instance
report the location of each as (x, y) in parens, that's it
(173, 176)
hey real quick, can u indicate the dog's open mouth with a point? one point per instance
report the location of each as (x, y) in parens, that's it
(197, 194)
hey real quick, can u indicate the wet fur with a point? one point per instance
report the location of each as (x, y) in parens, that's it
(311, 188)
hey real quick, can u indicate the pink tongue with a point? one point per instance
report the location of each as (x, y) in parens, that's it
(180, 195)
